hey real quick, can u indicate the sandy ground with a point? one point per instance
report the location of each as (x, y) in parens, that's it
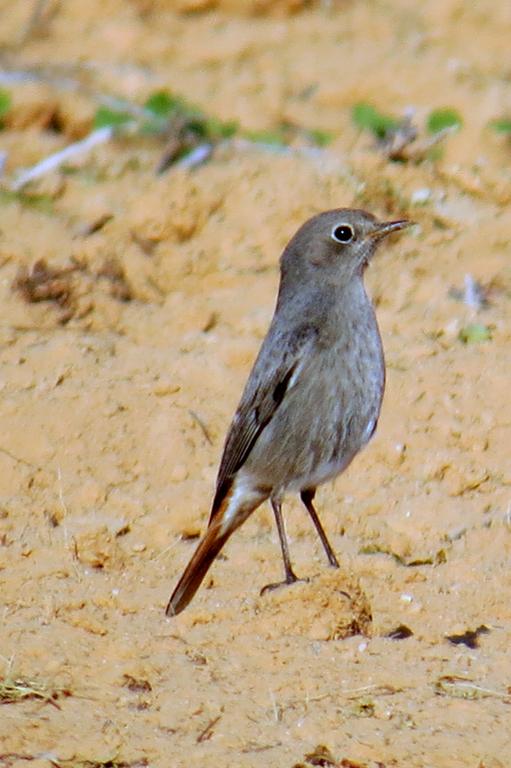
(117, 390)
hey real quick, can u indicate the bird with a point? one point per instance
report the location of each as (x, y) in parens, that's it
(313, 397)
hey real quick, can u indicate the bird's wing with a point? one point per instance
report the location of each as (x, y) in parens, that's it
(275, 370)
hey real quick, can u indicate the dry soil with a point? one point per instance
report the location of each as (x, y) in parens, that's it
(131, 308)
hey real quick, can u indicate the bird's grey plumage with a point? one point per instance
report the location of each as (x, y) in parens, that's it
(281, 358)
(313, 397)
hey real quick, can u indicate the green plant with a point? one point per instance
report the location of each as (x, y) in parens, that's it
(442, 118)
(5, 105)
(366, 117)
(501, 125)
(475, 333)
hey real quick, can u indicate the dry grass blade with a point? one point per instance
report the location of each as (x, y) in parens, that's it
(14, 690)
(463, 688)
(207, 732)
(107, 763)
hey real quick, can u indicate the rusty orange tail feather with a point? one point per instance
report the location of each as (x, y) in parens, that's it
(197, 569)
(223, 522)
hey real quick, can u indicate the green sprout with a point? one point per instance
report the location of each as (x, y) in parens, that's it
(366, 117)
(440, 119)
(111, 118)
(475, 333)
(5, 105)
(320, 137)
(501, 125)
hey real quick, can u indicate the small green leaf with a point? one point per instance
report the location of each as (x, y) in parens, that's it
(216, 129)
(275, 137)
(366, 117)
(110, 118)
(502, 126)
(475, 333)
(5, 102)
(39, 202)
(321, 138)
(446, 117)
(162, 104)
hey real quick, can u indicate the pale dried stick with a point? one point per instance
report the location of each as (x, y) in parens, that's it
(54, 161)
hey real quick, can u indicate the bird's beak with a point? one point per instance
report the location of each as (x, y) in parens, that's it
(384, 228)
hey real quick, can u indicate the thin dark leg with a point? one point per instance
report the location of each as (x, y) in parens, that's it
(307, 497)
(290, 576)
(277, 511)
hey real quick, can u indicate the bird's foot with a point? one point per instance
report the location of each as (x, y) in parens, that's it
(291, 578)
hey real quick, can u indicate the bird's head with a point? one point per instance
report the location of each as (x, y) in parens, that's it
(336, 245)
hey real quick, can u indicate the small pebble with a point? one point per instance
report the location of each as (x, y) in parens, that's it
(420, 196)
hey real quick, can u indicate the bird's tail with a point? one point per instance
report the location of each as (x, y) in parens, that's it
(229, 513)
(197, 569)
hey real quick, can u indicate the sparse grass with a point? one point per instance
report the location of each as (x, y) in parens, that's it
(457, 687)
(186, 126)
(166, 114)
(109, 763)
(436, 558)
(16, 689)
(399, 139)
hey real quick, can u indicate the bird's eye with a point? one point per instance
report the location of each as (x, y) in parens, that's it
(343, 233)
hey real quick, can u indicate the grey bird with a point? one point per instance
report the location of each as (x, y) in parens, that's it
(313, 398)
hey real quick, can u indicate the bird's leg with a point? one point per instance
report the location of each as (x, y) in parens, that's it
(307, 497)
(290, 576)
